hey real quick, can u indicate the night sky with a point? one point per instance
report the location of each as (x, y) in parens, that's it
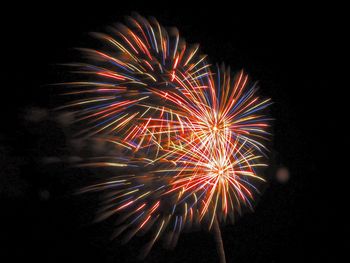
(284, 50)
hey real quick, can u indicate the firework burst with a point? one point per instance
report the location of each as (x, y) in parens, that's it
(123, 97)
(190, 137)
(186, 187)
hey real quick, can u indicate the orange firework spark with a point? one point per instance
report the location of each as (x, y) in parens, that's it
(189, 137)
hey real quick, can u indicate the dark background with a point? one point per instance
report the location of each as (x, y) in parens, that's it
(284, 48)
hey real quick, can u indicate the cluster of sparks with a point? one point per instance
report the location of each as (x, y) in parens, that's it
(189, 138)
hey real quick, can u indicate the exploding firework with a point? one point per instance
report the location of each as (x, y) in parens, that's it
(189, 137)
(186, 187)
(123, 98)
(150, 87)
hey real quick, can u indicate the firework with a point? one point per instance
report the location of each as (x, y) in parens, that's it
(150, 87)
(189, 136)
(123, 96)
(185, 187)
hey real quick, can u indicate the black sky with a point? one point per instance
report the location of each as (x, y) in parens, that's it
(284, 48)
